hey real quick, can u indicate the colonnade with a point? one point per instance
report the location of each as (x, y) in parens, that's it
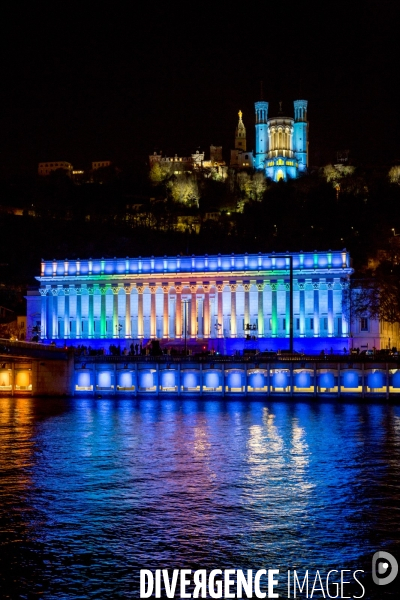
(280, 141)
(212, 309)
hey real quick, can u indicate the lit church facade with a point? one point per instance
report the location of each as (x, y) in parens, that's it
(226, 302)
(281, 143)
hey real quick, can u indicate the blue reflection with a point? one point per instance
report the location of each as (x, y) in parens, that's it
(98, 488)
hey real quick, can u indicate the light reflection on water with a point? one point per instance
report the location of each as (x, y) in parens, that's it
(93, 490)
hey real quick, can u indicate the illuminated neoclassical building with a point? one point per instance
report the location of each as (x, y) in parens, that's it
(281, 142)
(242, 299)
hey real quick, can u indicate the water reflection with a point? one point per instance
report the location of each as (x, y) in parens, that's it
(93, 490)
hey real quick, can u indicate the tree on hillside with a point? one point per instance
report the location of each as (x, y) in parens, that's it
(394, 174)
(184, 190)
(159, 173)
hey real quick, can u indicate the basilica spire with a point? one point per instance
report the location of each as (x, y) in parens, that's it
(240, 134)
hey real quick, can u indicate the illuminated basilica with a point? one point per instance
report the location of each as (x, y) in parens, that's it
(237, 300)
(281, 143)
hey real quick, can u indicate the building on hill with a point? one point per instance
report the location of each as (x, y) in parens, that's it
(45, 168)
(236, 300)
(195, 163)
(216, 154)
(178, 164)
(281, 142)
(216, 166)
(100, 164)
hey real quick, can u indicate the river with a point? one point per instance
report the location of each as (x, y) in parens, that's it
(93, 490)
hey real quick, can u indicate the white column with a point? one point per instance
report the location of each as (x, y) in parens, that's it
(54, 313)
(200, 318)
(206, 311)
(67, 324)
(140, 289)
(90, 290)
(302, 310)
(43, 320)
(103, 316)
(220, 289)
(78, 312)
(260, 288)
(246, 305)
(153, 323)
(233, 311)
(128, 323)
(316, 309)
(166, 312)
(345, 325)
(178, 312)
(115, 291)
(193, 315)
(331, 328)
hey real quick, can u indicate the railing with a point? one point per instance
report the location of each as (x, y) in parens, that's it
(30, 345)
(217, 358)
(14, 348)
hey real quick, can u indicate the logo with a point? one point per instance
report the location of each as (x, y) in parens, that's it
(384, 564)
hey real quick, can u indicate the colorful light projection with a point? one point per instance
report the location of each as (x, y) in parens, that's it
(106, 269)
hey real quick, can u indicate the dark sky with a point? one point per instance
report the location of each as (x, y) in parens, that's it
(93, 81)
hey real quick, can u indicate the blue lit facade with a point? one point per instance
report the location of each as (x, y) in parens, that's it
(281, 142)
(226, 302)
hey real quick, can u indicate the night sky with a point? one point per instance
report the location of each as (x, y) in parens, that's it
(88, 81)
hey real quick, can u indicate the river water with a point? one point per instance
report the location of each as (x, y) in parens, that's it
(93, 490)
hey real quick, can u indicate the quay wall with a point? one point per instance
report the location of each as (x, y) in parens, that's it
(53, 377)
(250, 378)
(98, 376)
(37, 377)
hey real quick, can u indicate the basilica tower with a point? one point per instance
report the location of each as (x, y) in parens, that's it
(261, 134)
(240, 134)
(240, 157)
(300, 136)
